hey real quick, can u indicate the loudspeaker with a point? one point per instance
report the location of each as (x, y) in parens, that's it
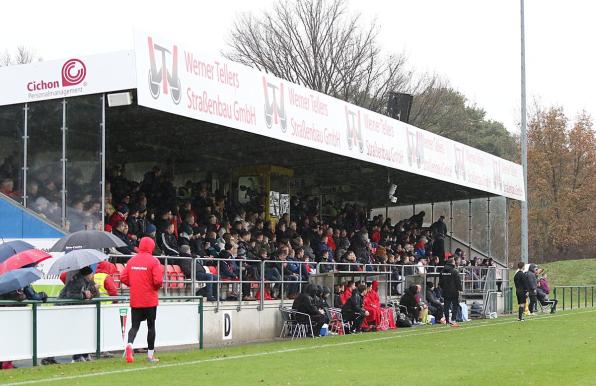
(398, 106)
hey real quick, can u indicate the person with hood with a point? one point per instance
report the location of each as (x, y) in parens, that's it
(532, 286)
(144, 276)
(372, 304)
(412, 302)
(306, 303)
(450, 283)
(352, 311)
(105, 282)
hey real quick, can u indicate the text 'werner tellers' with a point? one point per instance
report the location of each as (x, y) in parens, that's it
(216, 70)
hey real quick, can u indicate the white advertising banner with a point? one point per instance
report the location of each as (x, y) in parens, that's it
(67, 78)
(183, 80)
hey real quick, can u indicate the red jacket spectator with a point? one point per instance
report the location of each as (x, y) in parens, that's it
(331, 243)
(375, 237)
(346, 295)
(144, 275)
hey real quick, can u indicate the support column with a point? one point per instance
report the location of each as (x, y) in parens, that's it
(450, 225)
(469, 228)
(102, 183)
(488, 226)
(25, 145)
(63, 163)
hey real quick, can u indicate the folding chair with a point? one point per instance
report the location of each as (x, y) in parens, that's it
(302, 329)
(384, 324)
(288, 322)
(336, 324)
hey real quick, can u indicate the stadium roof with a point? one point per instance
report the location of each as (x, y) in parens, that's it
(219, 115)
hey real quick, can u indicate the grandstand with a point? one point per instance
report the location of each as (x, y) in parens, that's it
(249, 195)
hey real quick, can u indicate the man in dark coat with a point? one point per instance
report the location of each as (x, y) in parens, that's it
(450, 284)
(531, 287)
(352, 311)
(438, 232)
(521, 291)
(306, 303)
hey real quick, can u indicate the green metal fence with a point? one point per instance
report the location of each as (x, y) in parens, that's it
(97, 301)
(573, 297)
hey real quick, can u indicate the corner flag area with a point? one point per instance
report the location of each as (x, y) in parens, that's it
(544, 349)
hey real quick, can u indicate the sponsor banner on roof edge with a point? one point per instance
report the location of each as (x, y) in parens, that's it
(67, 78)
(181, 79)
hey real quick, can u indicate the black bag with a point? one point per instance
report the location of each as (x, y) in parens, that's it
(403, 320)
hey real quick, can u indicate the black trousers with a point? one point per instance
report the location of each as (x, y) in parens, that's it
(451, 304)
(356, 320)
(141, 314)
(533, 301)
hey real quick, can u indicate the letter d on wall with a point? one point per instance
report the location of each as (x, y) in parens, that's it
(227, 325)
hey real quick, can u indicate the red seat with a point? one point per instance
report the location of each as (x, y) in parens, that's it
(179, 276)
(171, 276)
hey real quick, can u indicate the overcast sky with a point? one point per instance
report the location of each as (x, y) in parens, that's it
(475, 44)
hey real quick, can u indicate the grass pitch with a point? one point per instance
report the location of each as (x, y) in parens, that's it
(544, 350)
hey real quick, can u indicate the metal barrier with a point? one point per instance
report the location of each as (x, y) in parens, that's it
(98, 302)
(255, 276)
(574, 296)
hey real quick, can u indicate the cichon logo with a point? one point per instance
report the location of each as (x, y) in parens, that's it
(275, 112)
(73, 72)
(163, 80)
(354, 130)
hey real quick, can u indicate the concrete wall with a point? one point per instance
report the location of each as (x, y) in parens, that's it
(247, 325)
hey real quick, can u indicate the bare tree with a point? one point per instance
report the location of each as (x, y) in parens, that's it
(317, 44)
(22, 55)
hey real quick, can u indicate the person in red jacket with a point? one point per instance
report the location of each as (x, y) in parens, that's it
(144, 276)
(372, 304)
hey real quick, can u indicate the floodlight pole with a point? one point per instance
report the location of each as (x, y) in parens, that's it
(524, 142)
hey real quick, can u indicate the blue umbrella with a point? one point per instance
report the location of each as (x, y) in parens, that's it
(12, 248)
(18, 279)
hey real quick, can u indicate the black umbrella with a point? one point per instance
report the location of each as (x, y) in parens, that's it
(18, 279)
(12, 248)
(87, 240)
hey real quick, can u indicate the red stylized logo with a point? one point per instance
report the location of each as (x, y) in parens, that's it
(415, 147)
(274, 112)
(354, 130)
(460, 166)
(497, 180)
(162, 79)
(73, 72)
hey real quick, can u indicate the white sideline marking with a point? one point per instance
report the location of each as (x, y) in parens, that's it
(394, 335)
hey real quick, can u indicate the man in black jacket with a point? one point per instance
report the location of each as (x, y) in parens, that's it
(439, 232)
(531, 286)
(353, 311)
(450, 284)
(521, 290)
(306, 304)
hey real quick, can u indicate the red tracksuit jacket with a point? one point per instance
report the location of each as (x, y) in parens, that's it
(144, 275)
